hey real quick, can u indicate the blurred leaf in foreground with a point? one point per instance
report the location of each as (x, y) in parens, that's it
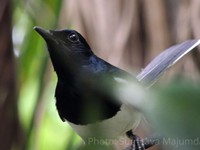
(174, 112)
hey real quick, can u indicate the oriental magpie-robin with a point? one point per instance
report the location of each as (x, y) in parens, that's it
(85, 94)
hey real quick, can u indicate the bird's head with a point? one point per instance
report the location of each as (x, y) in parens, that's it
(67, 48)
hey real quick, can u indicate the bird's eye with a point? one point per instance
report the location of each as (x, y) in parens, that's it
(73, 37)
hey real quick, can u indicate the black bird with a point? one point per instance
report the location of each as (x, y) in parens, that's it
(85, 91)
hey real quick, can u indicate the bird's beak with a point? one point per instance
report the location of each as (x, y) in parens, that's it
(58, 56)
(44, 33)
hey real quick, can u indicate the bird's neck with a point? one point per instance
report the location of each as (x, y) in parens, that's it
(70, 70)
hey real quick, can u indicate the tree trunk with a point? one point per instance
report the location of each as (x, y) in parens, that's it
(8, 94)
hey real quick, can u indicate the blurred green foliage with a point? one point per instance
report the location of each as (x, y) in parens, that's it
(38, 115)
(174, 112)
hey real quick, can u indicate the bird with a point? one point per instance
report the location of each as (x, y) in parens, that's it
(86, 86)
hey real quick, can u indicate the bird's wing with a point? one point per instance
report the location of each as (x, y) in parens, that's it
(151, 73)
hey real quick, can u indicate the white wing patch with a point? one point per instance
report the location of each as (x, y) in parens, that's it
(120, 80)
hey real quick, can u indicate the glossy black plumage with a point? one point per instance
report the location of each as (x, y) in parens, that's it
(83, 101)
(84, 90)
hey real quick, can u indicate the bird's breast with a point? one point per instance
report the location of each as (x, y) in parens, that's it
(125, 119)
(84, 103)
